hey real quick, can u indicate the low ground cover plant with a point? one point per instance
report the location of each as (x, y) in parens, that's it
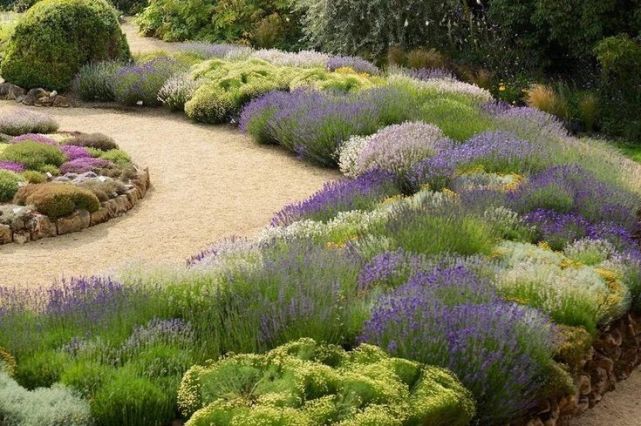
(56, 174)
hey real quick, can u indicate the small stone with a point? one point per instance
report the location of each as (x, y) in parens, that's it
(21, 237)
(100, 216)
(10, 92)
(61, 102)
(5, 234)
(75, 222)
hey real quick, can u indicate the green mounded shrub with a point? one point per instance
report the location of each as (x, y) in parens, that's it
(33, 155)
(32, 176)
(104, 190)
(306, 383)
(55, 38)
(41, 407)
(9, 184)
(93, 140)
(87, 377)
(57, 199)
(41, 369)
(116, 156)
(128, 400)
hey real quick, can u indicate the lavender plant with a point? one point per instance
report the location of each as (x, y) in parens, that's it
(451, 318)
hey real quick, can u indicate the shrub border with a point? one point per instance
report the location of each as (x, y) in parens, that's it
(40, 226)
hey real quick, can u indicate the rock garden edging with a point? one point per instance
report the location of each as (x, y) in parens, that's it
(35, 226)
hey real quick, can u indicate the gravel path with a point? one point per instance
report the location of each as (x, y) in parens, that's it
(208, 183)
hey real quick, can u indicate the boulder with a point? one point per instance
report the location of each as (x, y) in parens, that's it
(10, 92)
(40, 226)
(75, 222)
(5, 234)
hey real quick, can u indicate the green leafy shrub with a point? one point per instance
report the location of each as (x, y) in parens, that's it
(9, 184)
(55, 38)
(93, 140)
(303, 382)
(104, 190)
(41, 369)
(57, 199)
(41, 407)
(33, 155)
(87, 377)
(116, 156)
(620, 87)
(128, 400)
(32, 176)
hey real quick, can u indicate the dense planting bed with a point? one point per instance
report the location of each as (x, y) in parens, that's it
(53, 183)
(467, 235)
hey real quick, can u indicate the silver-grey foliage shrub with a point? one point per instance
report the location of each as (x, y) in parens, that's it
(53, 406)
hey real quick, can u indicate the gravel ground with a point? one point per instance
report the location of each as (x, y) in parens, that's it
(208, 183)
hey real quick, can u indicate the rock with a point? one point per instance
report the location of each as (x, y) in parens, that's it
(40, 227)
(101, 216)
(123, 203)
(75, 222)
(132, 196)
(21, 237)
(33, 96)
(112, 207)
(5, 234)
(585, 385)
(10, 92)
(61, 102)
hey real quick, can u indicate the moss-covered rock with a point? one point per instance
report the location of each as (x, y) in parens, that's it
(305, 383)
(55, 38)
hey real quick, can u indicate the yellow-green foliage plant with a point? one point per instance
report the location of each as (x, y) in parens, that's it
(306, 383)
(228, 85)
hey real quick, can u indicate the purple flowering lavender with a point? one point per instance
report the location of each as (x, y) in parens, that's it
(498, 152)
(453, 319)
(91, 296)
(314, 124)
(141, 83)
(557, 229)
(34, 137)
(570, 188)
(167, 331)
(530, 120)
(12, 166)
(361, 193)
(73, 152)
(353, 62)
(83, 165)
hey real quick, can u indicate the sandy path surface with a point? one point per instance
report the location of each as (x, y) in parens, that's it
(140, 44)
(621, 407)
(208, 182)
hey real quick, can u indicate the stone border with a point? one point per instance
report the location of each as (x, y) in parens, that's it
(614, 355)
(40, 226)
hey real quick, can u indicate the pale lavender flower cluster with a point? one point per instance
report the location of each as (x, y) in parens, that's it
(210, 255)
(395, 149)
(353, 62)
(12, 166)
(533, 121)
(140, 84)
(425, 74)
(452, 318)
(84, 164)
(168, 331)
(212, 50)
(15, 122)
(91, 297)
(361, 193)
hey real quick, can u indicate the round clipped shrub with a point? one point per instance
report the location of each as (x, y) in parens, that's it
(57, 199)
(55, 38)
(303, 382)
(33, 155)
(9, 184)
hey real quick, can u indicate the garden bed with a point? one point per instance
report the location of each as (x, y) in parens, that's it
(55, 183)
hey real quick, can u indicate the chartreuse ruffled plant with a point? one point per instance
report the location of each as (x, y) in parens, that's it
(306, 383)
